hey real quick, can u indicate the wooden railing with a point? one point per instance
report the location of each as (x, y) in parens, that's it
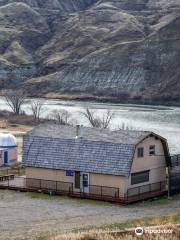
(145, 191)
(93, 192)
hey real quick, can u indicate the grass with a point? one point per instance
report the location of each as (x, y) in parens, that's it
(44, 196)
(163, 199)
(105, 232)
(145, 222)
(157, 200)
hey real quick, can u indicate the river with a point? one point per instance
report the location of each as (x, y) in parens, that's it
(159, 119)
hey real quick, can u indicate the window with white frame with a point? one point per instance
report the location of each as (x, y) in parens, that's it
(152, 150)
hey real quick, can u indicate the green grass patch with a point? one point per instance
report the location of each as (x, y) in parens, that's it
(157, 200)
(43, 196)
(163, 199)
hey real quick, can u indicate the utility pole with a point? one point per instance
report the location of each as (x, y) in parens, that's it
(169, 182)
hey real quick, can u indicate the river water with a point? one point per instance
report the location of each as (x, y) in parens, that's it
(159, 119)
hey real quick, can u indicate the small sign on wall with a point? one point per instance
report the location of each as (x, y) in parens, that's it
(69, 173)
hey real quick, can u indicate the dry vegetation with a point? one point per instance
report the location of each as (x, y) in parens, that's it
(117, 233)
(33, 216)
(92, 235)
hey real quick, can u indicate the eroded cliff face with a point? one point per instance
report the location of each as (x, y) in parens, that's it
(128, 50)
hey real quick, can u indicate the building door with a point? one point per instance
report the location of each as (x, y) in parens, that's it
(6, 157)
(85, 182)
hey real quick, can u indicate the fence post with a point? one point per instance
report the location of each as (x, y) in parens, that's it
(72, 188)
(169, 182)
(56, 186)
(127, 195)
(25, 185)
(118, 193)
(101, 191)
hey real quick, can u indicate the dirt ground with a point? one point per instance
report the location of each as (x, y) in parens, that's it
(24, 217)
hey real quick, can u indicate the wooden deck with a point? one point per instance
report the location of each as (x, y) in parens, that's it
(64, 188)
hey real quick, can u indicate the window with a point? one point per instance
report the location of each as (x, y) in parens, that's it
(139, 177)
(77, 179)
(140, 152)
(152, 150)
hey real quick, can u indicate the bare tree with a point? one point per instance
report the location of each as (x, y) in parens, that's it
(62, 117)
(107, 118)
(15, 100)
(36, 108)
(125, 126)
(96, 121)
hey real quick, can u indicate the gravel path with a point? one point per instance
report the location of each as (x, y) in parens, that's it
(23, 217)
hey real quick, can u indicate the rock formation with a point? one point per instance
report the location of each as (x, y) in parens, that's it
(118, 49)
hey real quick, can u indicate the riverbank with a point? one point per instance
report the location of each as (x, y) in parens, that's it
(122, 99)
(111, 99)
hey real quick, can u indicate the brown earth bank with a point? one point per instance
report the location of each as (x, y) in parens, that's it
(116, 50)
(123, 99)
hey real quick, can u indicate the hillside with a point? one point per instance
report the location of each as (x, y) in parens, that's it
(120, 49)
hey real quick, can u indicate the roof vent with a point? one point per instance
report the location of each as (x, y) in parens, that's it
(77, 131)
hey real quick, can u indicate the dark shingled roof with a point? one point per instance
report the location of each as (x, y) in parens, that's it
(78, 155)
(98, 151)
(92, 134)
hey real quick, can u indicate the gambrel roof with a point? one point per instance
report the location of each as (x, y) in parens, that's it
(95, 150)
(87, 133)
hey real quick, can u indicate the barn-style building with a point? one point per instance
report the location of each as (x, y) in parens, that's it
(96, 163)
